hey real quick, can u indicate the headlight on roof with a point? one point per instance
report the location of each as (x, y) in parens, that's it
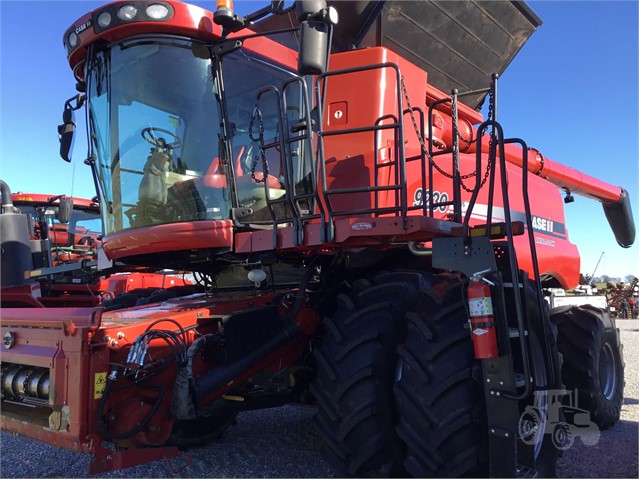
(73, 39)
(127, 13)
(104, 19)
(157, 11)
(120, 13)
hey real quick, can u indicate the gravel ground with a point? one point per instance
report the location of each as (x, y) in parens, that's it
(615, 455)
(281, 442)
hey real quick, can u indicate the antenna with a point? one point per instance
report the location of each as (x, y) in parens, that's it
(592, 277)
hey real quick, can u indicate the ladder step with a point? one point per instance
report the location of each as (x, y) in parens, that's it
(510, 285)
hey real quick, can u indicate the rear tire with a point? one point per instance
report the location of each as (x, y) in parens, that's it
(356, 365)
(593, 360)
(440, 394)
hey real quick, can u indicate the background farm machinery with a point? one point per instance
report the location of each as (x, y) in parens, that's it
(358, 239)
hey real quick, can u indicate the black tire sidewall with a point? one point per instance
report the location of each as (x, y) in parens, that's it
(584, 332)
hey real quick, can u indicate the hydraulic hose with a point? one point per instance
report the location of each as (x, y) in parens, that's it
(143, 424)
(220, 376)
(182, 405)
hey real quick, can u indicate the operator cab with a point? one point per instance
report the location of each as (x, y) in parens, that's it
(178, 155)
(197, 126)
(165, 148)
(190, 133)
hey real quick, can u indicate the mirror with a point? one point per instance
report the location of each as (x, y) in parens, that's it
(308, 8)
(313, 48)
(315, 23)
(65, 209)
(66, 132)
(68, 125)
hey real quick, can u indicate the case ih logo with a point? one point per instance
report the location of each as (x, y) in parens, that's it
(82, 27)
(543, 224)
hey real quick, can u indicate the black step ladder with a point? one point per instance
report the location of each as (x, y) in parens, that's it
(508, 378)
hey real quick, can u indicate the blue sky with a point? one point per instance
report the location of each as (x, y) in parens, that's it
(571, 92)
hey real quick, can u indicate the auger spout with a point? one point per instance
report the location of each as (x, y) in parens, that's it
(614, 199)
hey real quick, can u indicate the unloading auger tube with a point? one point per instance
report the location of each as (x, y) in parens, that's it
(614, 199)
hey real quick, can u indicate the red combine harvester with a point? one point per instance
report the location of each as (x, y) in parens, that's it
(365, 242)
(50, 256)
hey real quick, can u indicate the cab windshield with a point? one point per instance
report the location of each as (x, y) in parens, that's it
(154, 114)
(163, 149)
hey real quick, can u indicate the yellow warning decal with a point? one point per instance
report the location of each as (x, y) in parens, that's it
(99, 385)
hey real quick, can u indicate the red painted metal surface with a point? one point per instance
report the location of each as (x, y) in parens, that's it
(45, 294)
(25, 295)
(105, 460)
(170, 237)
(352, 163)
(561, 175)
(69, 292)
(58, 340)
(352, 101)
(188, 20)
(79, 346)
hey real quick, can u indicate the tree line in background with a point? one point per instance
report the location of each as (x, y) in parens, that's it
(604, 278)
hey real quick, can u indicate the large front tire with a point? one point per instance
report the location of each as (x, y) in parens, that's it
(438, 390)
(356, 367)
(593, 360)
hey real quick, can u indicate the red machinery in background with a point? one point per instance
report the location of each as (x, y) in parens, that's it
(331, 203)
(51, 248)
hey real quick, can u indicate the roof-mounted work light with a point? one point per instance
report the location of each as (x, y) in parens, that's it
(568, 198)
(157, 11)
(114, 15)
(104, 19)
(73, 39)
(226, 17)
(129, 12)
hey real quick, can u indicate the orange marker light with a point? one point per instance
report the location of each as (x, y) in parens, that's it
(225, 17)
(225, 4)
